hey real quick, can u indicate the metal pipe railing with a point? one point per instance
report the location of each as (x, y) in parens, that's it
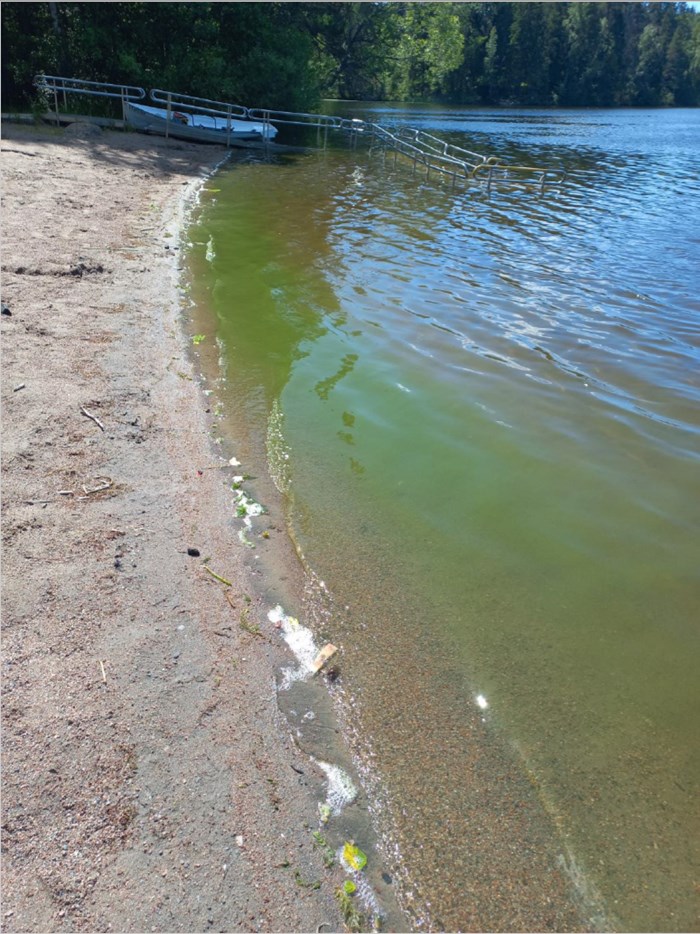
(199, 104)
(90, 88)
(421, 148)
(54, 84)
(323, 121)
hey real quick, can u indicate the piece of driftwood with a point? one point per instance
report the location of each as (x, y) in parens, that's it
(98, 489)
(230, 599)
(94, 418)
(328, 651)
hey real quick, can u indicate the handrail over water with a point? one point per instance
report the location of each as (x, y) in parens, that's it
(321, 121)
(439, 146)
(421, 148)
(444, 164)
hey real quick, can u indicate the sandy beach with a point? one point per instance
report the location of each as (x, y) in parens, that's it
(150, 782)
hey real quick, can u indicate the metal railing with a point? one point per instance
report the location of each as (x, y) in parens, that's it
(422, 149)
(526, 175)
(433, 144)
(55, 85)
(217, 110)
(445, 159)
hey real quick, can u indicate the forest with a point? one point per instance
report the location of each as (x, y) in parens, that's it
(292, 55)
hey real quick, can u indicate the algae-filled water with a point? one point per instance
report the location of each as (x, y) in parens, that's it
(483, 413)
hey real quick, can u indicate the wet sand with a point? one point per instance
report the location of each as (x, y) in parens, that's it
(150, 782)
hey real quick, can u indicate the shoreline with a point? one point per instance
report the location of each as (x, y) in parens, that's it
(520, 872)
(150, 779)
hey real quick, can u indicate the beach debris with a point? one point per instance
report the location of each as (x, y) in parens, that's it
(217, 576)
(17, 388)
(302, 883)
(193, 552)
(353, 857)
(322, 844)
(94, 418)
(332, 674)
(328, 651)
(356, 920)
(234, 462)
(324, 812)
(245, 623)
(198, 338)
(99, 489)
(6, 310)
(246, 506)
(102, 669)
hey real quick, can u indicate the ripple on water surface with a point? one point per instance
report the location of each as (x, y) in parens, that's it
(485, 413)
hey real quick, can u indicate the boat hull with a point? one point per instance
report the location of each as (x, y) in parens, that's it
(238, 133)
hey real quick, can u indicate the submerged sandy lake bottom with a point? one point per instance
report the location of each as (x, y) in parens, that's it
(482, 414)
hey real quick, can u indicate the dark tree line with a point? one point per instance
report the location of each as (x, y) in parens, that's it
(288, 55)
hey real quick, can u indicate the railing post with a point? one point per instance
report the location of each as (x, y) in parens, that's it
(55, 104)
(228, 127)
(169, 111)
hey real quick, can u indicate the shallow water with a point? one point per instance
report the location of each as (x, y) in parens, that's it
(483, 414)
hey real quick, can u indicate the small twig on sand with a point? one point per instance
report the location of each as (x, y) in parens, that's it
(94, 418)
(98, 489)
(217, 576)
(229, 597)
(104, 673)
(20, 152)
(17, 388)
(66, 493)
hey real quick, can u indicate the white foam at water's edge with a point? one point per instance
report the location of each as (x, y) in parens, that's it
(301, 641)
(341, 788)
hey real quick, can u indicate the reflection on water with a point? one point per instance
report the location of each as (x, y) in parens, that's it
(490, 407)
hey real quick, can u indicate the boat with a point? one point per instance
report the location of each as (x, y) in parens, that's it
(197, 127)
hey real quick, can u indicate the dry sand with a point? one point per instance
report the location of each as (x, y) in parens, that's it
(149, 780)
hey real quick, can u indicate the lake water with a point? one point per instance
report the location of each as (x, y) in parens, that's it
(482, 413)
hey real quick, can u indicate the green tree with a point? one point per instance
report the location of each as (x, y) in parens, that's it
(430, 47)
(528, 54)
(649, 70)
